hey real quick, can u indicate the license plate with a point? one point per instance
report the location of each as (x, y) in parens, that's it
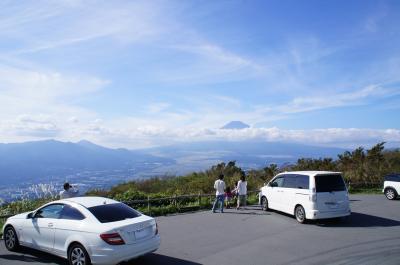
(139, 234)
(332, 205)
(131, 235)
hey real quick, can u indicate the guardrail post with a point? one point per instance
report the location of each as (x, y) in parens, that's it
(199, 199)
(175, 201)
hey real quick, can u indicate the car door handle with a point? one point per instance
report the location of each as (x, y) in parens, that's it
(50, 225)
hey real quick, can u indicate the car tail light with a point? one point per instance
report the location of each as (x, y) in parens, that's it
(313, 197)
(156, 229)
(112, 239)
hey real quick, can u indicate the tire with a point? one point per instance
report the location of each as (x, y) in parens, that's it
(264, 204)
(77, 255)
(390, 194)
(300, 214)
(11, 239)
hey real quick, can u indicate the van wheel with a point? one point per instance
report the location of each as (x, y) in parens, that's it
(77, 255)
(390, 194)
(11, 239)
(300, 214)
(264, 204)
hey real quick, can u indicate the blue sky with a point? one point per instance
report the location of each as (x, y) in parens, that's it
(145, 73)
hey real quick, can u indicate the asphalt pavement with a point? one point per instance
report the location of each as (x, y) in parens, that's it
(371, 235)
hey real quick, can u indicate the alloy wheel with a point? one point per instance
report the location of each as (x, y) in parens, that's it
(264, 204)
(10, 238)
(300, 214)
(390, 194)
(78, 256)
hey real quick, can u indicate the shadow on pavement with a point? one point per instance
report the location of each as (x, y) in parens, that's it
(154, 259)
(247, 210)
(359, 220)
(247, 213)
(28, 255)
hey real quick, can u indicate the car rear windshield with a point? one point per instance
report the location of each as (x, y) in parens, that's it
(113, 212)
(328, 183)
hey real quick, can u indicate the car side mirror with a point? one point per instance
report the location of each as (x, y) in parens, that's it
(274, 184)
(30, 215)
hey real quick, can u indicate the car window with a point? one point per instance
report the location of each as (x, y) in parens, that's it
(278, 182)
(302, 182)
(289, 181)
(71, 213)
(393, 177)
(50, 211)
(113, 212)
(329, 183)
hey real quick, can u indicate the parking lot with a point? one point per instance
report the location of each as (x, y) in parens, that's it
(371, 235)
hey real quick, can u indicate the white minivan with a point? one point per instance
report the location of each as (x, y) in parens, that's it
(307, 195)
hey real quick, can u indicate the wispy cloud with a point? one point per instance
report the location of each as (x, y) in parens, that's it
(77, 22)
(155, 108)
(358, 97)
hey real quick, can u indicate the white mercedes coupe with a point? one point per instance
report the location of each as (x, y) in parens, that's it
(84, 230)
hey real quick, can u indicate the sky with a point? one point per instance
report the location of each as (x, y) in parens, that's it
(139, 74)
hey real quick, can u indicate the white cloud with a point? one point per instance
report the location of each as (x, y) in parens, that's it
(147, 136)
(26, 125)
(38, 85)
(73, 119)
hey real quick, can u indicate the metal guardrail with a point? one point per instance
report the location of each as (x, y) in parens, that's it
(365, 185)
(174, 200)
(5, 216)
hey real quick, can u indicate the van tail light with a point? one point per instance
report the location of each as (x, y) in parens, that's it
(313, 197)
(112, 239)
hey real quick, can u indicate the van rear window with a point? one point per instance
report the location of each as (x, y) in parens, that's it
(328, 183)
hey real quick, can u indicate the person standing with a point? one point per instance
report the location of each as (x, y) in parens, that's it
(241, 192)
(68, 191)
(219, 187)
(228, 197)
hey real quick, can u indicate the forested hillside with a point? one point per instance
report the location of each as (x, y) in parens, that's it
(362, 168)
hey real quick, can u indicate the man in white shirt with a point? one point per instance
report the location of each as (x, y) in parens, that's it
(219, 187)
(242, 192)
(68, 191)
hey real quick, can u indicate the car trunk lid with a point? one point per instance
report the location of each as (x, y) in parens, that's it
(331, 192)
(133, 230)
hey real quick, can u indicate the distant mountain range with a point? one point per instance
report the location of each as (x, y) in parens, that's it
(30, 160)
(33, 160)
